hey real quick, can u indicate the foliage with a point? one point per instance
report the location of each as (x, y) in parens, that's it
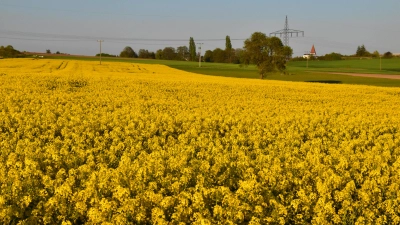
(182, 53)
(388, 55)
(169, 53)
(146, 54)
(192, 49)
(9, 52)
(362, 51)
(219, 55)
(128, 52)
(287, 52)
(228, 49)
(332, 56)
(208, 56)
(237, 56)
(267, 53)
(375, 54)
(147, 144)
(229, 55)
(105, 55)
(300, 58)
(228, 44)
(159, 54)
(48, 51)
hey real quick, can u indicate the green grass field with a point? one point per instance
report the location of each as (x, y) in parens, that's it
(389, 66)
(317, 71)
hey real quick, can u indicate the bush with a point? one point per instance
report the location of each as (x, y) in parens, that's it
(388, 55)
(105, 55)
(10, 52)
(333, 56)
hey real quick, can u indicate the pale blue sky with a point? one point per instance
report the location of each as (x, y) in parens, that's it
(74, 26)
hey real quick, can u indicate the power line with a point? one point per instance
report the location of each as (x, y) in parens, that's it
(79, 37)
(49, 37)
(15, 35)
(116, 42)
(35, 39)
(60, 40)
(85, 12)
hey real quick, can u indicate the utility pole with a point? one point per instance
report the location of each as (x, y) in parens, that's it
(380, 63)
(200, 53)
(100, 48)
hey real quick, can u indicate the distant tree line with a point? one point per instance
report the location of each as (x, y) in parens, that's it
(363, 52)
(233, 55)
(360, 52)
(170, 53)
(267, 53)
(48, 51)
(128, 52)
(106, 55)
(328, 57)
(146, 54)
(227, 55)
(184, 53)
(10, 52)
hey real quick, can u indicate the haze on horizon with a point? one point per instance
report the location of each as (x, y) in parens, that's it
(74, 26)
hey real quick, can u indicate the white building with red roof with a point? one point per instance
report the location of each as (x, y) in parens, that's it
(312, 53)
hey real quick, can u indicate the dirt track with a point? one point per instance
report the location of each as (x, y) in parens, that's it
(395, 77)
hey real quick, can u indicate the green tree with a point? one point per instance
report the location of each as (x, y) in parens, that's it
(192, 49)
(146, 54)
(143, 53)
(219, 55)
(105, 55)
(48, 51)
(169, 53)
(388, 55)
(228, 49)
(208, 56)
(182, 53)
(267, 53)
(237, 56)
(362, 51)
(10, 52)
(128, 52)
(287, 52)
(159, 54)
(333, 56)
(375, 54)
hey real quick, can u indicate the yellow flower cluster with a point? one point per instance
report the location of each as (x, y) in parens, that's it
(124, 143)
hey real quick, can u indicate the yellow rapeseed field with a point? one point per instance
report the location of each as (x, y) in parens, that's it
(123, 143)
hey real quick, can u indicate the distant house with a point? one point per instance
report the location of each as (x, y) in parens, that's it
(312, 53)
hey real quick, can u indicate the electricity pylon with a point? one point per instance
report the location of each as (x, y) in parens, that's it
(286, 32)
